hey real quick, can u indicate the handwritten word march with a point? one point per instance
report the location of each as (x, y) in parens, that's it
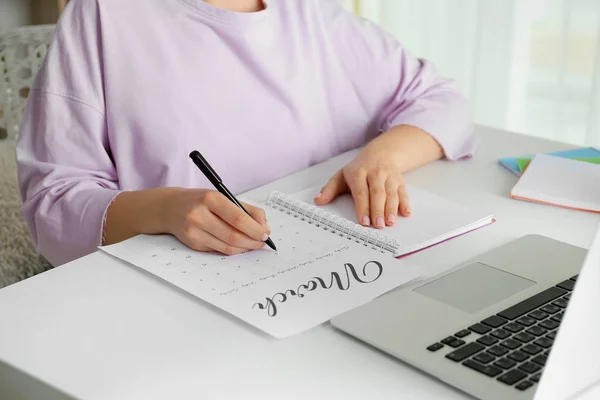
(371, 271)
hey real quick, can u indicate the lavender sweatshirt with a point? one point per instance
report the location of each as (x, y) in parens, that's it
(129, 88)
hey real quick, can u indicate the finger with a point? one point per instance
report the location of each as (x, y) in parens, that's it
(333, 188)
(403, 201)
(203, 241)
(259, 215)
(376, 182)
(236, 217)
(225, 232)
(392, 201)
(360, 192)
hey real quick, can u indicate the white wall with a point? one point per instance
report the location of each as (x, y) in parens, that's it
(14, 13)
(348, 4)
(530, 66)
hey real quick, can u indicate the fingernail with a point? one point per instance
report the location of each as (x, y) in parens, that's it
(319, 195)
(264, 237)
(366, 221)
(380, 223)
(408, 211)
(391, 219)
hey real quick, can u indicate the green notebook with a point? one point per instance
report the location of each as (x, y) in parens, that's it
(524, 162)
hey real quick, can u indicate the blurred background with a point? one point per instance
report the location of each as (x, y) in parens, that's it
(531, 66)
(15, 13)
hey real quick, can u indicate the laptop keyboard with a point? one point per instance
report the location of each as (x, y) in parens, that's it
(513, 345)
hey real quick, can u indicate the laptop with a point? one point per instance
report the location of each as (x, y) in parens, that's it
(487, 327)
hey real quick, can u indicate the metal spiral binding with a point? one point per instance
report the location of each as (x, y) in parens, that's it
(331, 222)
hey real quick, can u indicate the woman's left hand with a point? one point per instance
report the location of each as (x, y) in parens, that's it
(374, 178)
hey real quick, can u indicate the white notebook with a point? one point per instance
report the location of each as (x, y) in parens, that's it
(434, 219)
(561, 182)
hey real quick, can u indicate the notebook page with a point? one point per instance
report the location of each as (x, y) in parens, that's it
(433, 220)
(314, 276)
(562, 182)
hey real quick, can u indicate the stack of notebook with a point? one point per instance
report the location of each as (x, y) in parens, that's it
(517, 165)
(568, 179)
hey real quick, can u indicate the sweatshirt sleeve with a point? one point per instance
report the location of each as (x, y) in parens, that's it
(66, 174)
(400, 88)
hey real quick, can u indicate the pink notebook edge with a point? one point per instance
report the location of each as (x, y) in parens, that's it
(493, 220)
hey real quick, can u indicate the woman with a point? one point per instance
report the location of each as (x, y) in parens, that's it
(261, 89)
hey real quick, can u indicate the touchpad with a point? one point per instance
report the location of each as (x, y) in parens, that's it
(474, 287)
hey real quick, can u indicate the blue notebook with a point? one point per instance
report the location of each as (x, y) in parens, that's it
(512, 165)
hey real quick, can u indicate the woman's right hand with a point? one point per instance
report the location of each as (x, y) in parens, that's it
(205, 220)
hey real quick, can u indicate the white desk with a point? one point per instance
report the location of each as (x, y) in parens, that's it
(98, 328)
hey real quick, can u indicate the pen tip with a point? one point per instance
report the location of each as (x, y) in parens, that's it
(270, 243)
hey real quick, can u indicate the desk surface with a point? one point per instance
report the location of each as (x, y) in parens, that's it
(98, 328)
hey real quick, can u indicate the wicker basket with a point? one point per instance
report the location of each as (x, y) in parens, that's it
(22, 51)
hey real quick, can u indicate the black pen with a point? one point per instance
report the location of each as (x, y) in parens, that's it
(214, 178)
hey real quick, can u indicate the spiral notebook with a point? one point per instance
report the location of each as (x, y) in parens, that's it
(325, 264)
(434, 220)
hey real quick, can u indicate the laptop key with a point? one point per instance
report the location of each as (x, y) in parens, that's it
(494, 321)
(511, 344)
(462, 333)
(562, 303)
(551, 335)
(524, 385)
(518, 356)
(537, 314)
(532, 303)
(567, 296)
(484, 358)
(529, 367)
(498, 351)
(537, 330)
(544, 342)
(567, 285)
(536, 378)
(540, 359)
(488, 370)
(549, 324)
(524, 337)
(435, 347)
(465, 352)
(449, 340)
(513, 327)
(550, 309)
(487, 340)
(575, 278)
(526, 321)
(531, 349)
(500, 334)
(505, 363)
(557, 317)
(480, 328)
(456, 343)
(512, 377)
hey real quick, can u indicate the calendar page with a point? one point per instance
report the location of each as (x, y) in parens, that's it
(314, 275)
